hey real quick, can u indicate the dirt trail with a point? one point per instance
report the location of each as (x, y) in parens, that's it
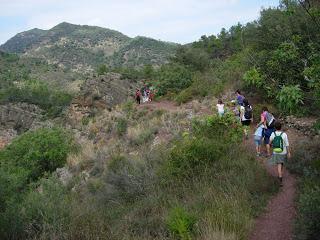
(165, 105)
(173, 107)
(276, 223)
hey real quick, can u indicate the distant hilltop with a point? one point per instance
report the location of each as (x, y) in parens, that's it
(83, 47)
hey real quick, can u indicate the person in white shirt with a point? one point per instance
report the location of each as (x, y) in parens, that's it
(220, 108)
(280, 147)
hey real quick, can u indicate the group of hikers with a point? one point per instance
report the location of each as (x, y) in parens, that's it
(146, 94)
(267, 131)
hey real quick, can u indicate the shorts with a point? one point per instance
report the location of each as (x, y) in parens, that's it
(278, 159)
(245, 122)
(220, 114)
(267, 135)
(257, 140)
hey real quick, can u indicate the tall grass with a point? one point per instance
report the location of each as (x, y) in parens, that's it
(202, 186)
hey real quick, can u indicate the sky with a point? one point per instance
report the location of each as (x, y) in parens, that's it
(180, 21)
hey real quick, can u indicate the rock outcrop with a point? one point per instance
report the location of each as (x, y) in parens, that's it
(304, 125)
(100, 93)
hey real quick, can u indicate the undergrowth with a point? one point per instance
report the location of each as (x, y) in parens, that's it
(202, 185)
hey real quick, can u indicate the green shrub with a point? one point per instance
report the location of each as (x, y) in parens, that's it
(121, 126)
(316, 126)
(306, 164)
(173, 78)
(308, 204)
(181, 223)
(211, 138)
(184, 96)
(102, 69)
(37, 152)
(290, 98)
(29, 157)
(253, 78)
(38, 93)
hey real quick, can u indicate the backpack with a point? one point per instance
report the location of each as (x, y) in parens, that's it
(277, 143)
(248, 112)
(270, 120)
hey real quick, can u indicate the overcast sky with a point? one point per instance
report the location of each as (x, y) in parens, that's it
(180, 21)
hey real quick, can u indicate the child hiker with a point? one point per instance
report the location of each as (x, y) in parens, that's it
(280, 147)
(220, 108)
(258, 134)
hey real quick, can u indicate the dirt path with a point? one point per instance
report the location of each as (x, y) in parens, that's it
(165, 105)
(171, 106)
(276, 223)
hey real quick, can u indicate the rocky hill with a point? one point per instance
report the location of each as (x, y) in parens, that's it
(83, 48)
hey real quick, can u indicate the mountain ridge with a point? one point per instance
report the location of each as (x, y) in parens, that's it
(84, 47)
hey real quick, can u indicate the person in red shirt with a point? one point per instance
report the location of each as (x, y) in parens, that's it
(138, 96)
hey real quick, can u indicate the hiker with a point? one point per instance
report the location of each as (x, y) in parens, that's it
(220, 108)
(151, 95)
(258, 134)
(138, 96)
(280, 148)
(246, 115)
(239, 98)
(268, 120)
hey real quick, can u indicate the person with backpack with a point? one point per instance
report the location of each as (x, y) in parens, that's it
(246, 115)
(268, 120)
(239, 98)
(280, 148)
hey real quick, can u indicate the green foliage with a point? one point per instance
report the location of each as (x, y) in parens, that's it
(253, 78)
(290, 99)
(306, 164)
(195, 58)
(316, 125)
(38, 93)
(36, 152)
(102, 69)
(148, 71)
(173, 78)
(28, 158)
(181, 223)
(121, 126)
(212, 137)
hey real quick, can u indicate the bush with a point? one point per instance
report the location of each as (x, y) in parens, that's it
(306, 163)
(290, 99)
(173, 78)
(181, 223)
(28, 158)
(121, 126)
(37, 152)
(211, 138)
(38, 93)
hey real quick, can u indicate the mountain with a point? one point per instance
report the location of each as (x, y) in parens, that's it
(83, 48)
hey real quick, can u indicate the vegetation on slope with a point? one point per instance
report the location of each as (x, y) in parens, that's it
(200, 186)
(17, 84)
(306, 164)
(27, 159)
(83, 48)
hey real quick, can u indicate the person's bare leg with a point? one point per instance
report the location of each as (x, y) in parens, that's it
(280, 170)
(268, 149)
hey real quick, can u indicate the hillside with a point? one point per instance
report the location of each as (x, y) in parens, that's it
(83, 48)
(93, 164)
